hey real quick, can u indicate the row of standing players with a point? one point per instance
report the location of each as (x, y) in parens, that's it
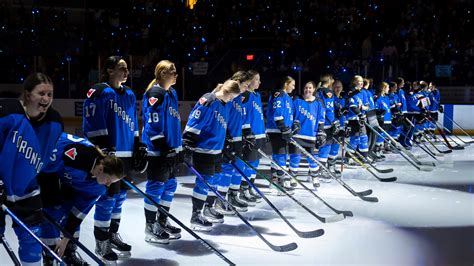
(221, 128)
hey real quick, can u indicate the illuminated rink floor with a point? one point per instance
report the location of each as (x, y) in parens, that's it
(424, 218)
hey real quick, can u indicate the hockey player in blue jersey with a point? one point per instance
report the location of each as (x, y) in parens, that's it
(384, 117)
(417, 104)
(397, 116)
(435, 106)
(253, 128)
(29, 129)
(70, 185)
(356, 117)
(327, 147)
(230, 179)
(279, 128)
(203, 141)
(162, 135)
(369, 103)
(308, 112)
(340, 112)
(110, 122)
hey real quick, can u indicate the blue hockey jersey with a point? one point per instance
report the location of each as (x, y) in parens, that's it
(383, 103)
(355, 99)
(279, 112)
(25, 148)
(72, 161)
(434, 99)
(416, 102)
(161, 120)
(402, 99)
(234, 122)
(252, 114)
(339, 106)
(328, 104)
(206, 127)
(368, 98)
(310, 114)
(110, 115)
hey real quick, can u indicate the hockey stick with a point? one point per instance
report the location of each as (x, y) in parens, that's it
(362, 195)
(401, 150)
(424, 148)
(177, 221)
(72, 238)
(282, 248)
(446, 141)
(452, 120)
(322, 219)
(383, 171)
(427, 139)
(467, 143)
(301, 234)
(343, 150)
(381, 179)
(330, 219)
(464, 131)
(21, 224)
(10, 251)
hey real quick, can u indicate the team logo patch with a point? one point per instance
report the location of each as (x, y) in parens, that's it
(202, 100)
(152, 101)
(71, 153)
(276, 94)
(90, 92)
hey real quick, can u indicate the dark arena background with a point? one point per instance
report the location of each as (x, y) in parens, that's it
(423, 218)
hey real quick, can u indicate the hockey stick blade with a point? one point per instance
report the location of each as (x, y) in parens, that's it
(387, 179)
(384, 171)
(458, 147)
(365, 192)
(338, 217)
(284, 248)
(310, 234)
(425, 168)
(369, 199)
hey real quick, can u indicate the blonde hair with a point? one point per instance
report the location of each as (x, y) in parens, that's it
(325, 80)
(229, 86)
(354, 79)
(286, 81)
(162, 67)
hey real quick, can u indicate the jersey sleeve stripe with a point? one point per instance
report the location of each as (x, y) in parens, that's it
(96, 133)
(80, 215)
(192, 130)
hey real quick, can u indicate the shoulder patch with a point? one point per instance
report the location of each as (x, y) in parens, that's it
(202, 100)
(71, 153)
(152, 101)
(80, 156)
(90, 92)
(10, 106)
(207, 99)
(276, 94)
(155, 95)
(96, 90)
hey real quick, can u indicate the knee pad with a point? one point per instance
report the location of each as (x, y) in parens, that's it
(29, 249)
(295, 160)
(155, 190)
(168, 194)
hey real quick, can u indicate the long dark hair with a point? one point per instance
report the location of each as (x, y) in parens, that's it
(109, 63)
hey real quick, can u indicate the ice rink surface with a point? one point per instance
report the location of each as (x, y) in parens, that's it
(424, 218)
